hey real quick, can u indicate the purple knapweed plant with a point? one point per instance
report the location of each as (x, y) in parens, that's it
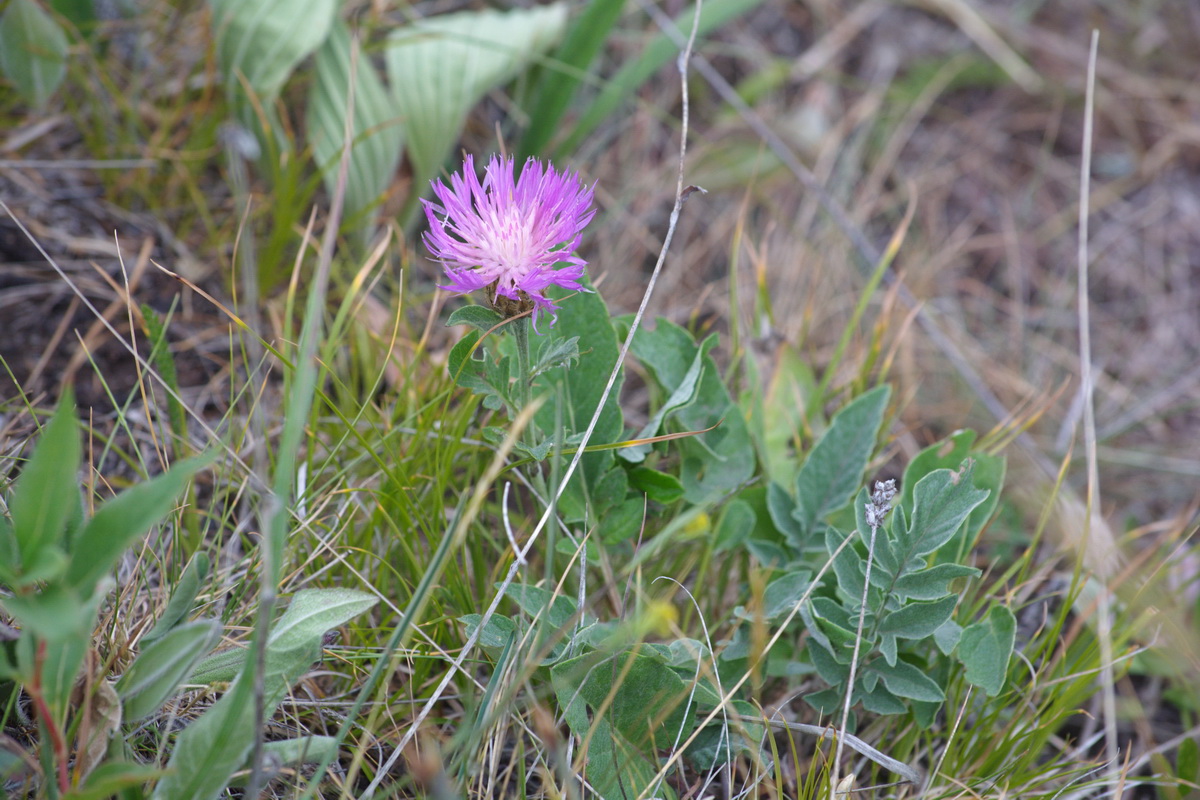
(512, 238)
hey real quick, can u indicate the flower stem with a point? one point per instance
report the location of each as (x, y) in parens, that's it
(524, 378)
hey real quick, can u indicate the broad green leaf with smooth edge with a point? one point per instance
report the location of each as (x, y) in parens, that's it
(833, 471)
(906, 680)
(781, 508)
(712, 463)
(947, 636)
(780, 596)
(682, 395)
(647, 708)
(942, 502)
(124, 518)
(496, 633)
(614, 767)
(41, 500)
(735, 525)
(55, 613)
(110, 779)
(161, 667)
(985, 648)
(932, 583)
(917, 620)
(216, 745)
(263, 42)
(33, 51)
(59, 664)
(660, 487)
(376, 136)
(534, 600)
(878, 700)
(10, 558)
(440, 67)
(481, 318)
(183, 597)
(584, 315)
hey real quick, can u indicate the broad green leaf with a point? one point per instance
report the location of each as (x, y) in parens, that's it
(41, 500)
(647, 706)
(183, 597)
(833, 471)
(782, 508)
(57, 662)
(10, 558)
(660, 487)
(124, 518)
(583, 315)
(790, 390)
(681, 396)
(780, 596)
(918, 620)
(376, 136)
(906, 680)
(951, 453)
(161, 667)
(932, 583)
(1187, 760)
(720, 742)
(440, 67)
(262, 42)
(713, 463)
(735, 526)
(942, 502)
(217, 744)
(985, 648)
(111, 779)
(496, 633)
(312, 612)
(55, 613)
(614, 767)
(534, 600)
(947, 636)
(481, 318)
(33, 51)
(556, 353)
(879, 700)
(832, 671)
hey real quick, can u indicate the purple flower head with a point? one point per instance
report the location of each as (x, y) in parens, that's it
(512, 238)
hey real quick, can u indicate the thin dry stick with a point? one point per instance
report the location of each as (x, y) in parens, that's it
(1104, 626)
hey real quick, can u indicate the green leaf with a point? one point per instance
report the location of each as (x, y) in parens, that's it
(376, 136)
(905, 680)
(584, 315)
(879, 700)
(182, 598)
(918, 620)
(647, 703)
(713, 463)
(556, 352)
(440, 67)
(782, 508)
(833, 471)
(496, 633)
(681, 396)
(1187, 760)
(947, 636)
(55, 613)
(293, 752)
(534, 599)
(615, 768)
(781, 596)
(481, 318)
(985, 648)
(262, 42)
(33, 51)
(42, 498)
(735, 526)
(932, 583)
(658, 486)
(161, 667)
(212, 748)
(10, 554)
(124, 518)
(112, 778)
(942, 502)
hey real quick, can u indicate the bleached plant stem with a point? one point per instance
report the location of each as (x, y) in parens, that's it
(1104, 623)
